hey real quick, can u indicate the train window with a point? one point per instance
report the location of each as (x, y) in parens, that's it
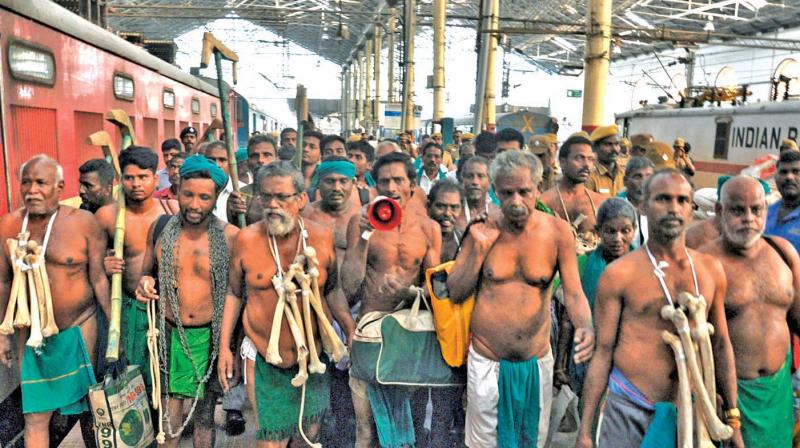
(169, 99)
(213, 110)
(123, 86)
(195, 106)
(31, 63)
(721, 137)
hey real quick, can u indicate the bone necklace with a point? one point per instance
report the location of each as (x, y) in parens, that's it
(30, 281)
(694, 361)
(294, 316)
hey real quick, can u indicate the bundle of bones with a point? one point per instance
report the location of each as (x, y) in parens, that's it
(698, 422)
(304, 271)
(30, 295)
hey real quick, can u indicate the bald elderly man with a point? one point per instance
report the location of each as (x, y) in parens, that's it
(763, 308)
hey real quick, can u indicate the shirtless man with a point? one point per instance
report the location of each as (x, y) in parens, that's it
(445, 206)
(570, 199)
(195, 272)
(261, 151)
(763, 306)
(629, 324)
(74, 259)
(511, 321)
(96, 182)
(138, 167)
(334, 209)
(380, 269)
(474, 177)
(282, 192)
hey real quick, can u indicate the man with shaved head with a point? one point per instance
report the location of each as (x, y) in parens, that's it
(632, 364)
(763, 307)
(56, 376)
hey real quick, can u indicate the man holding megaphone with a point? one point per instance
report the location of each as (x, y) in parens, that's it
(389, 246)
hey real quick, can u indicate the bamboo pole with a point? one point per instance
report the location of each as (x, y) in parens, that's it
(122, 121)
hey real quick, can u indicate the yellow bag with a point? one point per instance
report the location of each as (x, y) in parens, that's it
(450, 320)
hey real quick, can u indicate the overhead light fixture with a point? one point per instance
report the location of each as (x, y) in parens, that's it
(709, 26)
(570, 9)
(753, 5)
(637, 20)
(563, 43)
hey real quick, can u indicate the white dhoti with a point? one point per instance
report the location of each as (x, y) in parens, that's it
(483, 396)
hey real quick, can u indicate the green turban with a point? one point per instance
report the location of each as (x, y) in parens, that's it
(199, 163)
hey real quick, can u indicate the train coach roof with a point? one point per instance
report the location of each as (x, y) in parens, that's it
(56, 17)
(755, 108)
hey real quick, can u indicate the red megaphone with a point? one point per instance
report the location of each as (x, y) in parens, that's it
(384, 213)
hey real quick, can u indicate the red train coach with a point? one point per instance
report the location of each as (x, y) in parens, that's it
(61, 73)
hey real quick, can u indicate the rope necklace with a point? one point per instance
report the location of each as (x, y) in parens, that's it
(47, 231)
(168, 271)
(660, 274)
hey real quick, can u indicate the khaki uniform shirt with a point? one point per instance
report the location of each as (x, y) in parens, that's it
(605, 182)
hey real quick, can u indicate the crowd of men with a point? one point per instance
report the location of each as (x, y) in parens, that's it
(604, 221)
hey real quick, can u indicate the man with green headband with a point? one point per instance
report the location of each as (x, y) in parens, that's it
(763, 308)
(189, 263)
(336, 176)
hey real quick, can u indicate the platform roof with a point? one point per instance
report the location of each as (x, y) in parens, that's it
(547, 33)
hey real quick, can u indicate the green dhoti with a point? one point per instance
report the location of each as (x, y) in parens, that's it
(766, 407)
(278, 402)
(184, 380)
(134, 335)
(58, 376)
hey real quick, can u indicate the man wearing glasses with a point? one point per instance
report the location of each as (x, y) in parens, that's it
(607, 176)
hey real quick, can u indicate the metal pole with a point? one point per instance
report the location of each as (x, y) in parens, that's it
(491, 65)
(598, 46)
(376, 105)
(392, 30)
(368, 86)
(480, 90)
(408, 81)
(226, 121)
(439, 13)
